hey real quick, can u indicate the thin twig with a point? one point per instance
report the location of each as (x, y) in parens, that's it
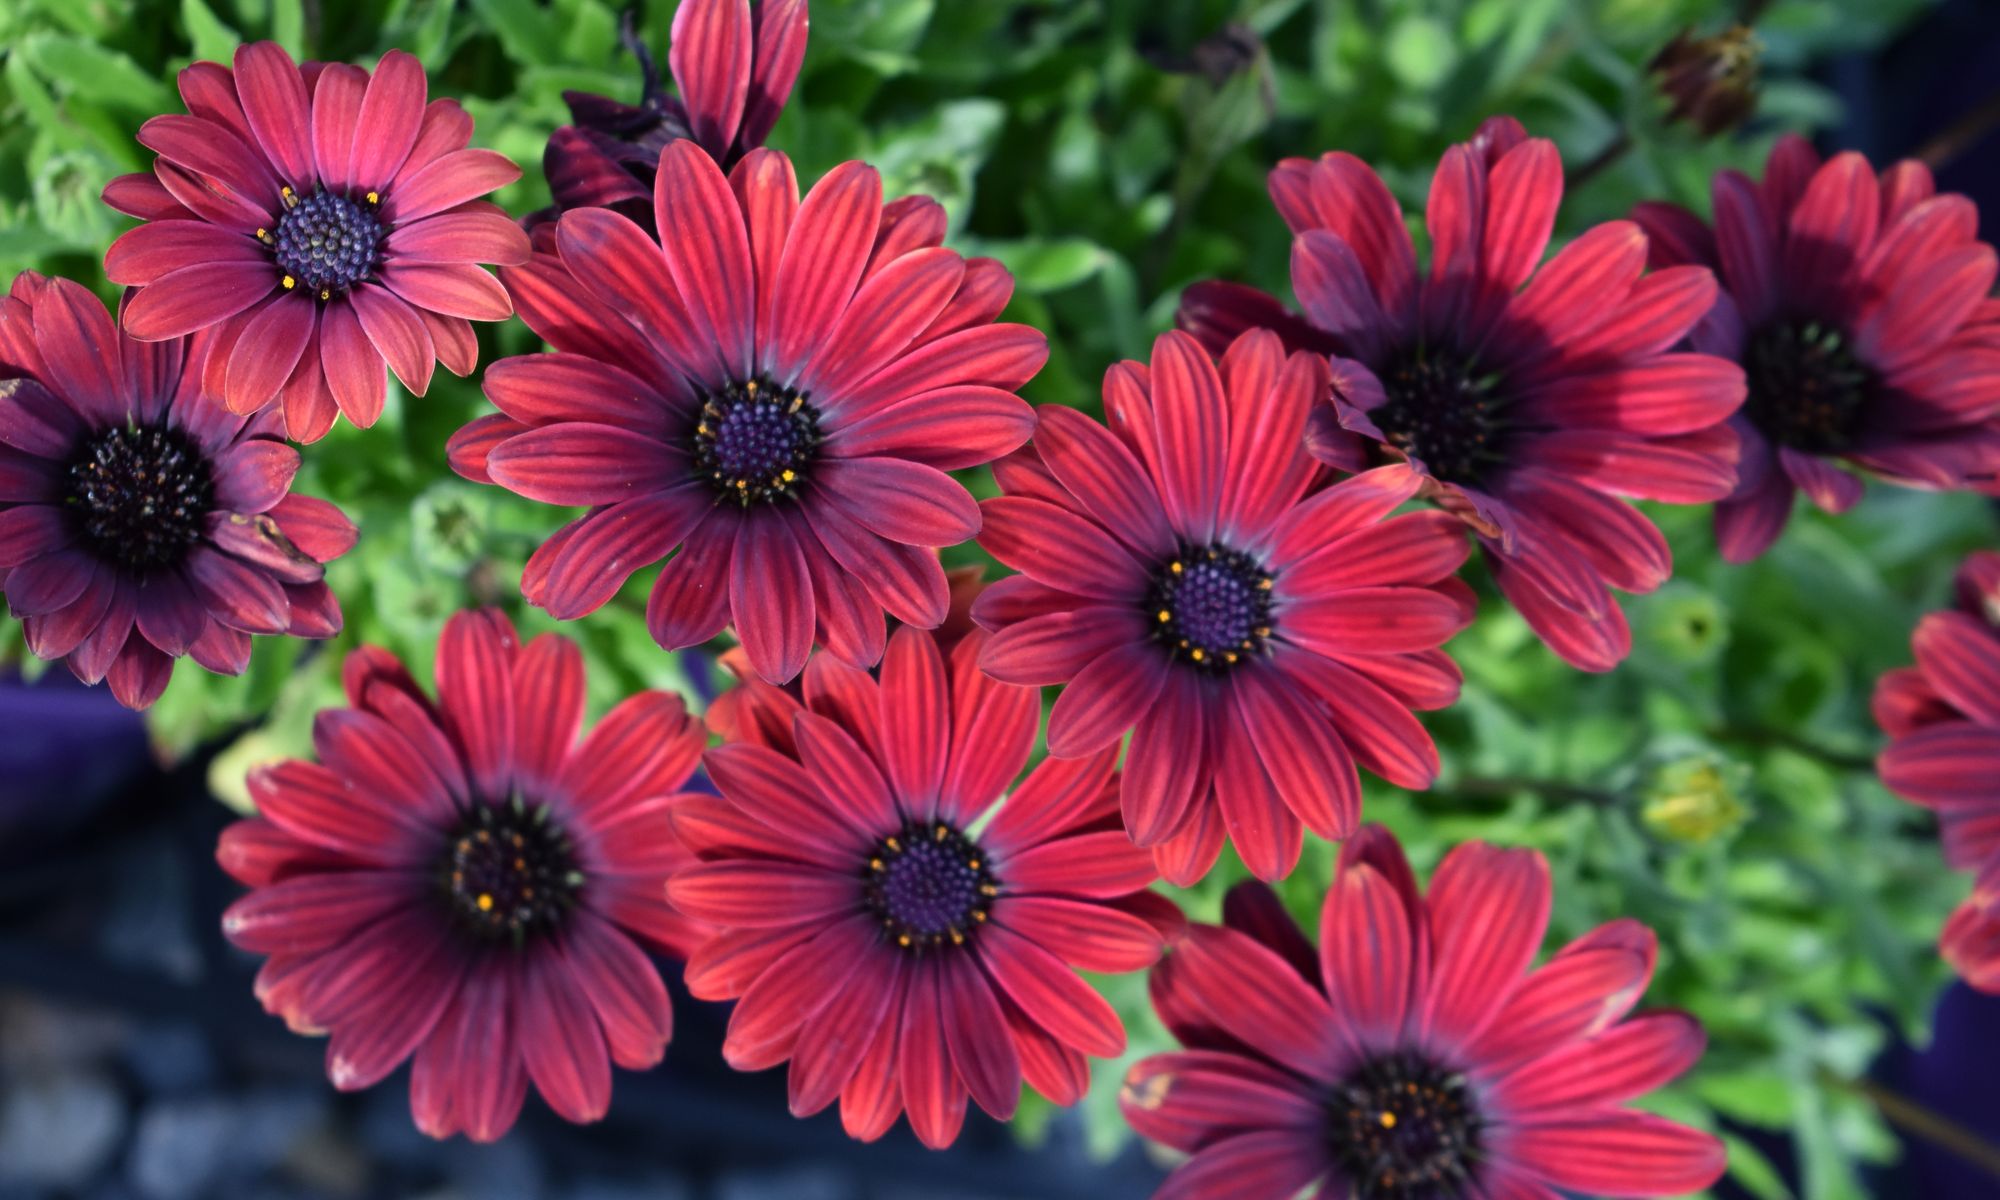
(1924, 1122)
(1611, 153)
(1961, 135)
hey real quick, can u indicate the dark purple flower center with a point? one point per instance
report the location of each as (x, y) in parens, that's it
(1210, 605)
(509, 872)
(140, 495)
(324, 243)
(929, 886)
(1403, 1127)
(755, 441)
(1807, 388)
(1445, 413)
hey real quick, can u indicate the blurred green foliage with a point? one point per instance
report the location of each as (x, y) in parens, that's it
(1718, 786)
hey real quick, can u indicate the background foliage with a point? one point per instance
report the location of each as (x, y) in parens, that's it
(1718, 786)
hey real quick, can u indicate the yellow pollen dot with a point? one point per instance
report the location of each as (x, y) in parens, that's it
(978, 915)
(1263, 631)
(1263, 585)
(1176, 568)
(957, 938)
(789, 475)
(289, 282)
(485, 902)
(374, 198)
(1388, 1120)
(704, 430)
(1165, 616)
(943, 832)
(894, 845)
(987, 889)
(1230, 655)
(262, 234)
(874, 864)
(902, 939)
(1197, 655)
(325, 294)
(742, 485)
(972, 863)
(750, 386)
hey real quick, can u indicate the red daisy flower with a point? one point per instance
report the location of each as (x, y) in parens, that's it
(1527, 409)
(468, 885)
(1413, 1054)
(1858, 307)
(777, 389)
(1943, 720)
(734, 65)
(322, 222)
(1257, 641)
(140, 520)
(903, 946)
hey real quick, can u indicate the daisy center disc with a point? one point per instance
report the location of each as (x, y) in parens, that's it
(755, 441)
(325, 244)
(1403, 1127)
(140, 495)
(1210, 606)
(510, 873)
(1807, 388)
(1443, 413)
(929, 886)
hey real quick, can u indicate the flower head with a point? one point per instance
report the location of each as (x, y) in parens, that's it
(1529, 399)
(1709, 82)
(775, 390)
(881, 924)
(1413, 1055)
(321, 221)
(734, 64)
(139, 519)
(1943, 720)
(1180, 580)
(1858, 307)
(466, 884)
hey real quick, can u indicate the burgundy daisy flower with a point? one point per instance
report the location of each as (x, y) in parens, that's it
(322, 222)
(1413, 1055)
(1527, 409)
(776, 389)
(468, 885)
(734, 65)
(1943, 720)
(139, 519)
(881, 925)
(1858, 307)
(1257, 641)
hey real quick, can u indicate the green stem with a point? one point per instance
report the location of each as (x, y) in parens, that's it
(1501, 787)
(1768, 738)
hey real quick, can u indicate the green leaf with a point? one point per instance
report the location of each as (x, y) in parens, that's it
(213, 39)
(288, 26)
(1749, 1167)
(1046, 264)
(1421, 52)
(86, 69)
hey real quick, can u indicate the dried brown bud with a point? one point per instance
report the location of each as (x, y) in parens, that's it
(1710, 81)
